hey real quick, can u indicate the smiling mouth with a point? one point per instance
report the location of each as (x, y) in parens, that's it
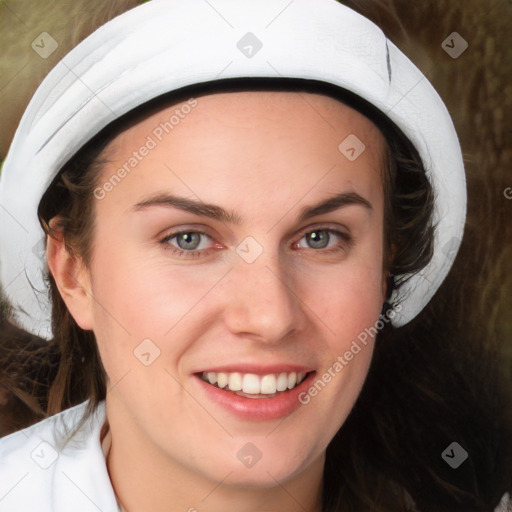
(250, 385)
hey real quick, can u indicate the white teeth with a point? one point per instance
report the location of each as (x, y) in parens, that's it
(222, 380)
(252, 384)
(235, 381)
(282, 382)
(268, 385)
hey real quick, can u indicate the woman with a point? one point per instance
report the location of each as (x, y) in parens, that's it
(223, 246)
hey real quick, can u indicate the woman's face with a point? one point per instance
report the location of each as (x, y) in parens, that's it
(260, 284)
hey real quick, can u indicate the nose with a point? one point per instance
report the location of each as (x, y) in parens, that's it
(261, 301)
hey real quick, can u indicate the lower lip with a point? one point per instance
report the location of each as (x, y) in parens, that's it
(257, 409)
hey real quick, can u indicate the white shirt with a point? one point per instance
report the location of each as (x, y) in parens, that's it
(38, 474)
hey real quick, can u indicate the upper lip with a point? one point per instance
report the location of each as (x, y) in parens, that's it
(257, 369)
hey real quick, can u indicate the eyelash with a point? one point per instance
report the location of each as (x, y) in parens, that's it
(198, 253)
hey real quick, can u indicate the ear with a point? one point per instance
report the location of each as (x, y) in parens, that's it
(72, 279)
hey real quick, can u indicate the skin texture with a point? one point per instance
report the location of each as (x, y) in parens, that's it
(265, 156)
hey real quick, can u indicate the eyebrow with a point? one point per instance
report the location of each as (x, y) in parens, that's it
(216, 212)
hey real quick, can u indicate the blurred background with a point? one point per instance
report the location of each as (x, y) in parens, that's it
(475, 85)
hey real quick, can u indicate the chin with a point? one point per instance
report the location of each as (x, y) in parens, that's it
(259, 478)
(267, 472)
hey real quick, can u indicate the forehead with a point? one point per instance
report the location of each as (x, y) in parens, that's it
(253, 140)
(283, 110)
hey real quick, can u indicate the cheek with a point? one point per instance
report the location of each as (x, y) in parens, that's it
(351, 310)
(349, 298)
(124, 282)
(137, 297)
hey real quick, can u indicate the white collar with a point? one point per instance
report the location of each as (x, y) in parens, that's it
(40, 471)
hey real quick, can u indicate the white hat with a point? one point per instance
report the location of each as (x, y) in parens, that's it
(163, 45)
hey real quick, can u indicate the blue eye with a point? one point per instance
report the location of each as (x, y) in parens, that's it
(190, 240)
(187, 243)
(319, 238)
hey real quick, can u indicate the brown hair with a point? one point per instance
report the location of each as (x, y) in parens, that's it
(426, 388)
